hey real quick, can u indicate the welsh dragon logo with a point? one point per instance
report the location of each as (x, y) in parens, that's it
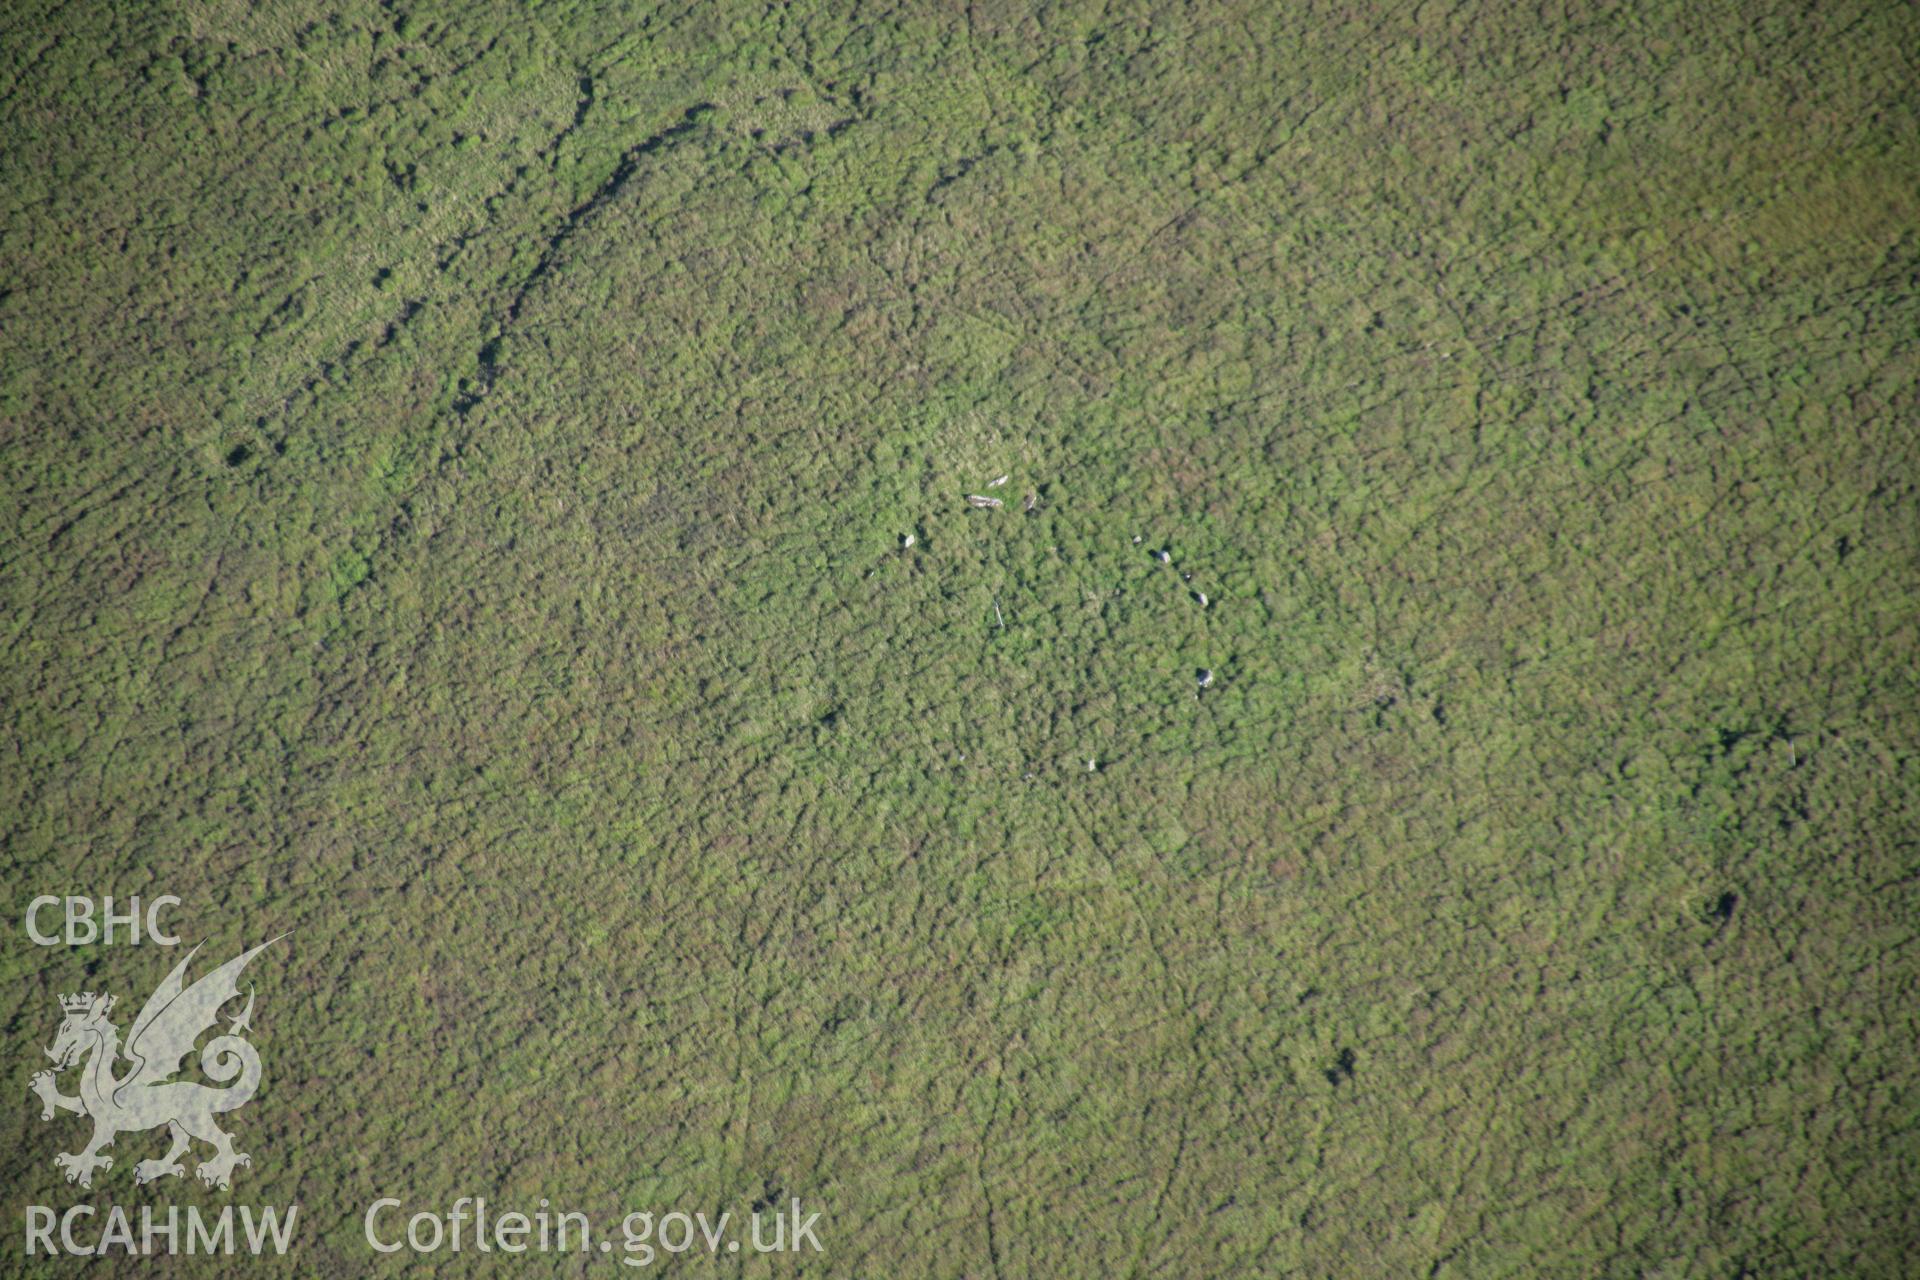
(145, 1095)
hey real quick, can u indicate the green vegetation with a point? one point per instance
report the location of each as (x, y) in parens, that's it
(458, 458)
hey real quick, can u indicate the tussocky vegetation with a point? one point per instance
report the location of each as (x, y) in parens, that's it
(488, 491)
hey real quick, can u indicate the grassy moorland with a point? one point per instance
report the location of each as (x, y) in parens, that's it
(457, 461)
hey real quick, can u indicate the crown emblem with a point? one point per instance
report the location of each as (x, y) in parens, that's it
(77, 1004)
